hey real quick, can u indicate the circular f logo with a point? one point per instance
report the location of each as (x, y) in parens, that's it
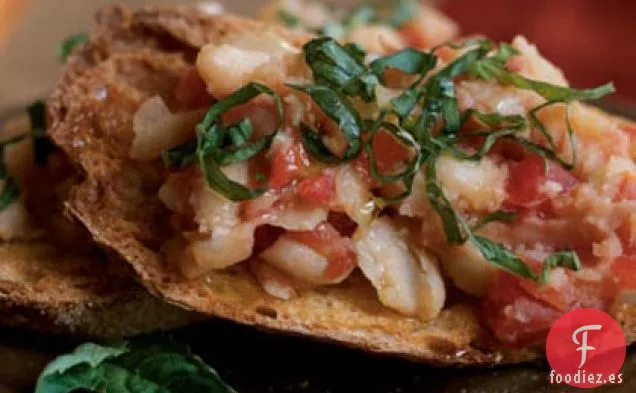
(586, 348)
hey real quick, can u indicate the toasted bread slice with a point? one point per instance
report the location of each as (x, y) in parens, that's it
(47, 289)
(118, 200)
(60, 282)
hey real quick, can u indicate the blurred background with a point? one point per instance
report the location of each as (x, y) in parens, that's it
(590, 39)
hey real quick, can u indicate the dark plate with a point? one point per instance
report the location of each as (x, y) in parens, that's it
(257, 362)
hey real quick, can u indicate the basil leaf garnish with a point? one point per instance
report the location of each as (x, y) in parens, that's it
(410, 61)
(288, 19)
(10, 190)
(499, 255)
(361, 14)
(498, 216)
(403, 13)
(340, 68)
(219, 145)
(568, 259)
(454, 226)
(67, 46)
(142, 366)
(338, 109)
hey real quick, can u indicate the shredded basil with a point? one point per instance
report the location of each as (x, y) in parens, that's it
(391, 13)
(498, 216)
(338, 109)
(567, 259)
(10, 190)
(410, 168)
(410, 61)
(288, 19)
(455, 227)
(341, 68)
(67, 46)
(403, 13)
(218, 145)
(499, 255)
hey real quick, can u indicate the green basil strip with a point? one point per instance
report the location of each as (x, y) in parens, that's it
(67, 46)
(181, 156)
(490, 139)
(158, 366)
(499, 255)
(538, 124)
(316, 147)
(404, 12)
(221, 183)
(410, 61)
(287, 18)
(454, 226)
(211, 135)
(42, 145)
(439, 91)
(498, 216)
(340, 68)
(245, 152)
(568, 259)
(10, 191)
(362, 14)
(404, 137)
(403, 104)
(546, 90)
(337, 108)
(496, 120)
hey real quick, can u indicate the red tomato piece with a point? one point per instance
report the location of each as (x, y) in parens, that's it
(528, 177)
(388, 152)
(627, 190)
(319, 189)
(413, 36)
(326, 240)
(516, 316)
(286, 165)
(624, 271)
(191, 92)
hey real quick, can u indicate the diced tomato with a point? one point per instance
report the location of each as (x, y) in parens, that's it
(527, 178)
(191, 92)
(286, 165)
(388, 152)
(625, 235)
(261, 111)
(519, 312)
(361, 166)
(326, 240)
(627, 191)
(624, 271)
(413, 36)
(320, 190)
(515, 315)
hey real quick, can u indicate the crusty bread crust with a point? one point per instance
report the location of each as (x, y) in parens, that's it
(47, 289)
(118, 203)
